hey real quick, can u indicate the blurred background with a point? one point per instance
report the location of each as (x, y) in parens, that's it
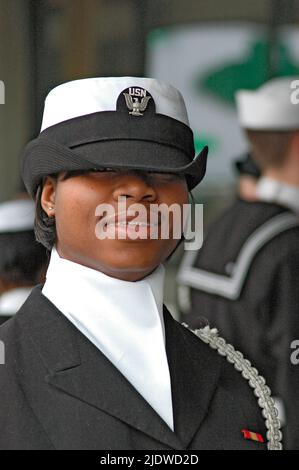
(207, 49)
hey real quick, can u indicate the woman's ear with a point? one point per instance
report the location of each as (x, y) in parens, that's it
(48, 196)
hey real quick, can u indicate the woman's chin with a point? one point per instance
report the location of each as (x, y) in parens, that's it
(129, 270)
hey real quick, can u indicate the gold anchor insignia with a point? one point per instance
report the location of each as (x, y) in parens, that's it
(136, 106)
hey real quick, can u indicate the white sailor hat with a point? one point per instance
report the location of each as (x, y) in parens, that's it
(269, 107)
(17, 216)
(137, 123)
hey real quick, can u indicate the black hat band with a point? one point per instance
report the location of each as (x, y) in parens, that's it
(110, 125)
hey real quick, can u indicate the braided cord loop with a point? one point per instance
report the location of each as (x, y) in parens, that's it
(256, 382)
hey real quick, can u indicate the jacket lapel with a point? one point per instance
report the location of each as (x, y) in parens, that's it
(75, 366)
(99, 383)
(78, 368)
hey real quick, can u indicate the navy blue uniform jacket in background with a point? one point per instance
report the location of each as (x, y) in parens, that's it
(263, 321)
(58, 391)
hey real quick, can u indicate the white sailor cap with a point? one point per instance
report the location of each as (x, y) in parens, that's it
(17, 216)
(269, 107)
(92, 95)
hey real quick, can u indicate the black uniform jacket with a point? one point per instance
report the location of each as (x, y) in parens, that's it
(4, 318)
(58, 391)
(263, 319)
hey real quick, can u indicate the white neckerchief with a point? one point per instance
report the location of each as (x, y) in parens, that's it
(12, 301)
(123, 319)
(271, 190)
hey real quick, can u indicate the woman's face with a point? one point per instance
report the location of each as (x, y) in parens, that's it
(75, 199)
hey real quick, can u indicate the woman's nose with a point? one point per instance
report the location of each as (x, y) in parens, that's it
(136, 187)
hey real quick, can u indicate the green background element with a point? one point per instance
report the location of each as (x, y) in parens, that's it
(225, 80)
(200, 140)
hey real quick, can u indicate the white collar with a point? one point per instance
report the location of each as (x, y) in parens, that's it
(123, 319)
(12, 301)
(271, 190)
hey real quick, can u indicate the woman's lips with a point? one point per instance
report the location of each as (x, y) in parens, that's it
(123, 217)
(131, 229)
(134, 227)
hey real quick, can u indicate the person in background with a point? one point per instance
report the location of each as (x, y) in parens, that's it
(245, 278)
(22, 259)
(248, 176)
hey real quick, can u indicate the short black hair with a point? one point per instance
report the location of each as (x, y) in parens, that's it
(21, 258)
(44, 226)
